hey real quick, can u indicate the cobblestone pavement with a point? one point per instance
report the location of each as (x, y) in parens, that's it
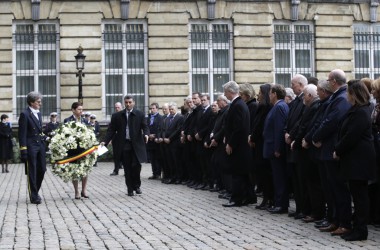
(163, 217)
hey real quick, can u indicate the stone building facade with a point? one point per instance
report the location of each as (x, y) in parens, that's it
(161, 51)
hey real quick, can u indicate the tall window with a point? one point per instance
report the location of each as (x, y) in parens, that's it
(36, 52)
(210, 57)
(125, 64)
(293, 51)
(367, 50)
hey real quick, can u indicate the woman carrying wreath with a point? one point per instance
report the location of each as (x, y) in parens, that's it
(77, 109)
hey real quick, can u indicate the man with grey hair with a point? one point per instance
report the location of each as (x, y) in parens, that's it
(171, 143)
(325, 137)
(296, 108)
(308, 177)
(32, 146)
(238, 152)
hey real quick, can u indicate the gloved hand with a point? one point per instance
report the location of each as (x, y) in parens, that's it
(24, 155)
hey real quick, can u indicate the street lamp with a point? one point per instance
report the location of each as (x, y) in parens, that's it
(80, 58)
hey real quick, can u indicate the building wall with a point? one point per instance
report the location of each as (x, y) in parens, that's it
(168, 41)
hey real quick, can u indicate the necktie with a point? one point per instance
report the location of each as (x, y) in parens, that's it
(127, 136)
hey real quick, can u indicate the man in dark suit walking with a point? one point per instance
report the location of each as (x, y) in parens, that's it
(132, 129)
(115, 150)
(32, 145)
(274, 147)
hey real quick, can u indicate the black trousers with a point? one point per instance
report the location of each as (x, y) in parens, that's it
(359, 192)
(280, 182)
(36, 168)
(341, 194)
(132, 168)
(153, 152)
(313, 200)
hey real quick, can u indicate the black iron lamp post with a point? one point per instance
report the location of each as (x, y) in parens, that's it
(80, 58)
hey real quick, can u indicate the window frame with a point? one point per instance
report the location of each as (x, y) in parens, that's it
(293, 47)
(210, 70)
(124, 70)
(36, 72)
(369, 29)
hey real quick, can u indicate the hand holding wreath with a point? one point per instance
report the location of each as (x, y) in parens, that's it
(73, 151)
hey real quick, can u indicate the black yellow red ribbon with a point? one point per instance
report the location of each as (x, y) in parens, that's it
(74, 158)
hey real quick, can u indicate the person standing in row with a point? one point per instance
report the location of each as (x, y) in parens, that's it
(357, 158)
(77, 109)
(6, 146)
(274, 148)
(239, 156)
(132, 130)
(116, 151)
(153, 150)
(32, 145)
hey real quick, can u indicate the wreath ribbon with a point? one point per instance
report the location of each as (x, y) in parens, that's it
(88, 151)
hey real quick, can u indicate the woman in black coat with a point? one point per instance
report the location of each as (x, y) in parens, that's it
(256, 141)
(6, 147)
(356, 153)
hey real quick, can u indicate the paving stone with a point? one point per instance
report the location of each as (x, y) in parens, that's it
(163, 217)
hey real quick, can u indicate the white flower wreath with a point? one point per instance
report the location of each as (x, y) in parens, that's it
(73, 151)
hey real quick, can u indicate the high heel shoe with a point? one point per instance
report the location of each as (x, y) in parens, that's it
(84, 196)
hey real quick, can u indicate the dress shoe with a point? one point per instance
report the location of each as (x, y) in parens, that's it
(330, 228)
(232, 204)
(138, 191)
(84, 196)
(278, 210)
(130, 194)
(292, 214)
(200, 186)
(308, 219)
(250, 200)
(323, 224)
(299, 216)
(35, 201)
(356, 236)
(114, 173)
(340, 231)
(153, 177)
(177, 182)
(205, 188)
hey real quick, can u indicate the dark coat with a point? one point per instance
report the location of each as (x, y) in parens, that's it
(30, 133)
(236, 131)
(154, 128)
(50, 127)
(172, 130)
(303, 125)
(295, 114)
(257, 132)
(355, 145)
(6, 146)
(274, 135)
(327, 132)
(73, 119)
(253, 106)
(138, 128)
(202, 125)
